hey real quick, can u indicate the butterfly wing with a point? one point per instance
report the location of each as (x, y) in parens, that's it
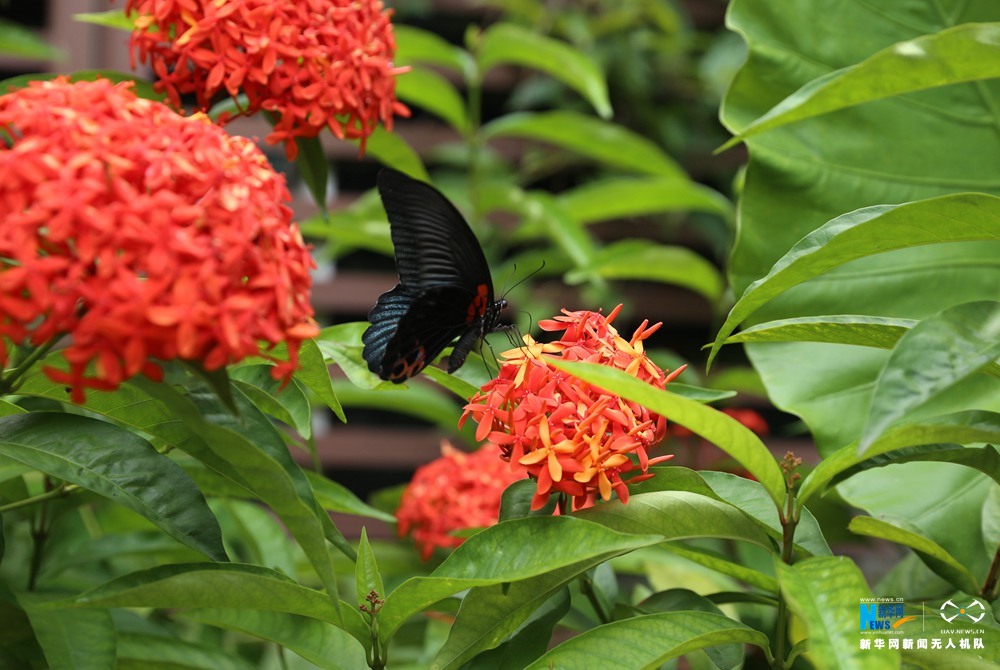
(433, 243)
(408, 331)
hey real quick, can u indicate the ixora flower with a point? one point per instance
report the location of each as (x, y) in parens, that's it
(143, 235)
(312, 63)
(458, 490)
(572, 437)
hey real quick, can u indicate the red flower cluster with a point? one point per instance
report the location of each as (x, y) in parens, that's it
(571, 436)
(313, 63)
(458, 490)
(143, 235)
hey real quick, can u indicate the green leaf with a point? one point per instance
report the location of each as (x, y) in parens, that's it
(623, 197)
(430, 91)
(217, 585)
(507, 552)
(607, 143)
(118, 465)
(456, 385)
(414, 45)
(960, 54)
(822, 592)
(699, 393)
(141, 651)
(366, 574)
(724, 566)
(648, 261)
(864, 331)
(568, 235)
(288, 404)
(930, 552)
(417, 400)
(683, 600)
(959, 428)
(314, 168)
(510, 44)
(323, 645)
(722, 430)
(528, 642)
(933, 356)
(8, 408)
(986, 459)
(72, 640)
(16, 40)
(677, 515)
(963, 217)
(648, 641)
(392, 150)
(335, 497)
(314, 373)
(112, 18)
(342, 344)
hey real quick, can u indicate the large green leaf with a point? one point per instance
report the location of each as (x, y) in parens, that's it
(960, 54)
(510, 551)
(212, 585)
(16, 40)
(609, 144)
(414, 45)
(932, 357)
(527, 643)
(507, 43)
(648, 641)
(930, 552)
(958, 428)
(722, 430)
(391, 149)
(72, 640)
(963, 217)
(824, 593)
(119, 465)
(805, 174)
(322, 644)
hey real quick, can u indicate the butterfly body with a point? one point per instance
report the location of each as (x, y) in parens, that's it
(444, 292)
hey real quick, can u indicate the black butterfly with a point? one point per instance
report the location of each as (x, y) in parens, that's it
(444, 291)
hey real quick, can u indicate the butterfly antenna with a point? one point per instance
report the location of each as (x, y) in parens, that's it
(520, 281)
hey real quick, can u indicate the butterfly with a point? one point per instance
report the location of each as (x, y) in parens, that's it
(444, 292)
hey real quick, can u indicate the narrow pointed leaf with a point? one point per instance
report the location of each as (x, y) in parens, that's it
(929, 551)
(119, 465)
(391, 149)
(623, 197)
(112, 18)
(648, 261)
(648, 641)
(289, 404)
(432, 92)
(414, 45)
(860, 330)
(821, 592)
(17, 40)
(963, 53)
(314, 168)
(957, 428)
(510, 44)
(963, 217)
(607, 143)
(366, 574)
(509, 551)
(722, 430)
(335, 497)
(933, 356)
(315, 375)
(724, 566)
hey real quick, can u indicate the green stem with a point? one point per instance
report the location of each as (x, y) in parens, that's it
(39, 535)
(991, 587)
(587, 587)
(58, 492)
(788, 523)
(8, 384)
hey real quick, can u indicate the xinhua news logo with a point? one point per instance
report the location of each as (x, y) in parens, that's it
(882, 616)
(974, 611)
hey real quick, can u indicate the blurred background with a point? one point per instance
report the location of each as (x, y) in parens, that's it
(667, 65)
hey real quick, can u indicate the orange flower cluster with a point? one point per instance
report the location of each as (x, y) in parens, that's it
(458, 490)
(313, 63)
(571, 436)
(143, 235)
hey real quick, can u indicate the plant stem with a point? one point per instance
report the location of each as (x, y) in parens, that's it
(39, 535)
(788, 523)
(587, 587)
(58, 492)
(990, 590)
(8, 384)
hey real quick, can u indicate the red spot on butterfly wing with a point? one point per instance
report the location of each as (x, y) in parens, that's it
(477, 307)
(409, 365)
